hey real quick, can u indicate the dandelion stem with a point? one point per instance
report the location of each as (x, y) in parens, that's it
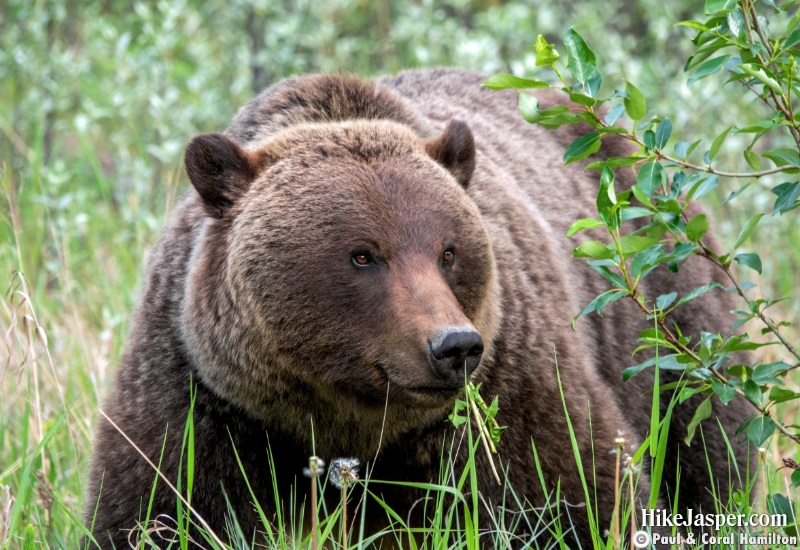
(314, 536)
(633, 506)
(619, 446)
(315, 467)
(344, 517)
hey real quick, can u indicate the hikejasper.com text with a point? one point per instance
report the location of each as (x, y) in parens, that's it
(665, 518)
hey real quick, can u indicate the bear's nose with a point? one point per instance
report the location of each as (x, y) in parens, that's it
(454, 349)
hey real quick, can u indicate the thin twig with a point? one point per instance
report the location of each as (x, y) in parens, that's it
(487, 444)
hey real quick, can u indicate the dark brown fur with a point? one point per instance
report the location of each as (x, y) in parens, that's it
(251, 295)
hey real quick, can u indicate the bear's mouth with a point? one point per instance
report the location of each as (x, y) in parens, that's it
(435, 394)
(426, 396)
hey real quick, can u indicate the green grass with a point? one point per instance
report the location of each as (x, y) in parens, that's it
(94, 112)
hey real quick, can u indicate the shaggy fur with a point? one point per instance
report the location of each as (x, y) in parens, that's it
(252, 296)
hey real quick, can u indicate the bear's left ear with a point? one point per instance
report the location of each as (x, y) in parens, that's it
(455, 150)
(220, 170)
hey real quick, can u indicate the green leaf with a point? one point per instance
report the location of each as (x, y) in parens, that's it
(696, 25)
(779, 504)
(680, 253)
(751, 260)
(606, 199)
(635, 212)
(707, 68)
(549, 118)
(717, 143)
(753, 160)
(663, 301)
(581, 99)
(650, 177)
(546, 54)
(683, 148)
(703, 187)
(781, 395)
(582, 64)
(723, 391)
(614, 114)
(647, 259)
(767, 373)
(505, 81)
(736, 22)
(697, 227)
(631, 244)
(613, 162)
(669, 361)
(663, 132)
(703, 412)
(763, 75)
(635, 104)
(747, 230)
(736, 193)
(752, 392)
(783, 157)
(697, 292)
(716, 6)
(610, 276)
(600, 302)
(787, 194)
(741, 343)
(650, 139)
(582, 147)
(759, 430)
(757, 127)
(793, 38)
(585, 223)
(593, 249)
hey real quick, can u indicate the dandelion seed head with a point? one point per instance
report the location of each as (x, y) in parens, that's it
(316, 467)
(628, 466)
(343, 472)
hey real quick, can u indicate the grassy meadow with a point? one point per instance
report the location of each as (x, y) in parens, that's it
(98, 99)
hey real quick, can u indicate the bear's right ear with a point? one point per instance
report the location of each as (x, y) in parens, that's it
(220, 170)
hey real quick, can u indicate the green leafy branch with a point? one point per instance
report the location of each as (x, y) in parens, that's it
(484, 415)
(734, 38)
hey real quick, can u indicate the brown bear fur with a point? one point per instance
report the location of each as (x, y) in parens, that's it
(252, 296)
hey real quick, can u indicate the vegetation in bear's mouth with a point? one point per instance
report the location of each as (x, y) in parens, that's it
(96, 102)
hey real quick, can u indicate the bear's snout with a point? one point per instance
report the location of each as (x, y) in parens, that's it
(452, 350)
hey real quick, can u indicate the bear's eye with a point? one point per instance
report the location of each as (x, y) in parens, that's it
(448, 256)
(361, 259)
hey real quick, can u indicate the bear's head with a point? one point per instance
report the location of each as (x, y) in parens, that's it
(338, 262)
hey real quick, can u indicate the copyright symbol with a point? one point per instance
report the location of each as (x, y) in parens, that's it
(641, 539)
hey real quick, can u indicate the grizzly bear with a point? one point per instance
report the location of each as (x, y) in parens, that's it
(349, 252)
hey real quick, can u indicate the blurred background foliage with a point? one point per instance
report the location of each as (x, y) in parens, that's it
(98, 98)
